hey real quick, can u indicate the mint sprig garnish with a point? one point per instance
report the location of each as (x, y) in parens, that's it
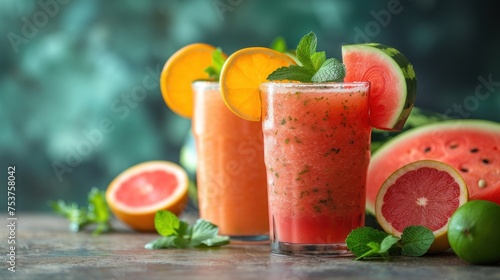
(367, 242)
(179, 234)
(314, 66)
(96, 213)
(218, 60)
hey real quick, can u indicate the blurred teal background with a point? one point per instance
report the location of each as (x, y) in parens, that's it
(72, 67)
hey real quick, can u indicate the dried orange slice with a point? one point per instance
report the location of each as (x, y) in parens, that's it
(241, 76)
(137, 193)
(181, 69)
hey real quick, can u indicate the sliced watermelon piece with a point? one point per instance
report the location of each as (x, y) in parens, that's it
(470, 146)
(492, 193)
(393, 83)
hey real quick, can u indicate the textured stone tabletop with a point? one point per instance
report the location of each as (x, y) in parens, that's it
(47, 250)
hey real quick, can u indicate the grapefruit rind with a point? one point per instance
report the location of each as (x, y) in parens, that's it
(241, 78)
(440, 243)
(393, 83)
(411, 145)
(184, 67)
(142, 218)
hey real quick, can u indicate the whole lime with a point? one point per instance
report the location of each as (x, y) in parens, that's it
(474, 232)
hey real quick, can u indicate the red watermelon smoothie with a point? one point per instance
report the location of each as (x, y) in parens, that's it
(231, 175)
(317, 150)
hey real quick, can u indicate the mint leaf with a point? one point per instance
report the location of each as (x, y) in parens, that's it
(77, 216)
(306, 49)
(318, 59)
(218, 240)
(357, 241)
(184, 228)
(374, 249)
(379, 249)
(98, 210)
(291, 73)
(416, 240)
(332, 70)
(179, 234)
(387, 243)
(203, 230)
(178, 238)
(162, 242)
(182, 242)
(313, 66)
(166, 223)
(279, 44)
(218, 60)
(96, 213)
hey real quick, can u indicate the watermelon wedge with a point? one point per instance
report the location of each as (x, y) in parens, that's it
(470, 146)
(393, 83)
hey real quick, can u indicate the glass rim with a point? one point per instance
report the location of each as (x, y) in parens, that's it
(205, 84)
(314, 85)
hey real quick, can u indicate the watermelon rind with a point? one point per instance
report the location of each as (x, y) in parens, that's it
(396, 65)
(418, 117)
(437, 131)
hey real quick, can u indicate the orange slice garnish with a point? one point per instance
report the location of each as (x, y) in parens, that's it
(241, 76)
(185, 66)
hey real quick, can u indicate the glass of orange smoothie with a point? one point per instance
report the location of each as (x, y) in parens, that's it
(231, 175)
(317, 149)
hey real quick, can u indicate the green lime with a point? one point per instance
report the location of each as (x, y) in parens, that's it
(474, 232)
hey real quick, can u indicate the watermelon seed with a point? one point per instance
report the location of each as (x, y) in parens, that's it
(481, 183)
(486, 161)
(453, 146)
(463, 169)
(474, 150)
(427, 149)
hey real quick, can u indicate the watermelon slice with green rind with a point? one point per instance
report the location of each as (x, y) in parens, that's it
(470, 146)
(393, 83)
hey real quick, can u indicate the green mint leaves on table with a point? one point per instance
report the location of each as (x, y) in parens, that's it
(315, 67)
(96, 213)
(214, 70)
(367, 242)
(179, 234)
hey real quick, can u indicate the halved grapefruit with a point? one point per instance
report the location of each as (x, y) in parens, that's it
(422, 193)
(137, 193)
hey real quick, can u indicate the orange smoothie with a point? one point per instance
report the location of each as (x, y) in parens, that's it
(231, 175)
(317, 150)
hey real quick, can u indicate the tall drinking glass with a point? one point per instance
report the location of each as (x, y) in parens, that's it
(317, 149)
(231, 175)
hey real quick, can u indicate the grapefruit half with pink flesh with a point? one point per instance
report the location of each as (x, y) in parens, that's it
(471, 146)
(422, 193)
(137, 193)
(393, 84)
